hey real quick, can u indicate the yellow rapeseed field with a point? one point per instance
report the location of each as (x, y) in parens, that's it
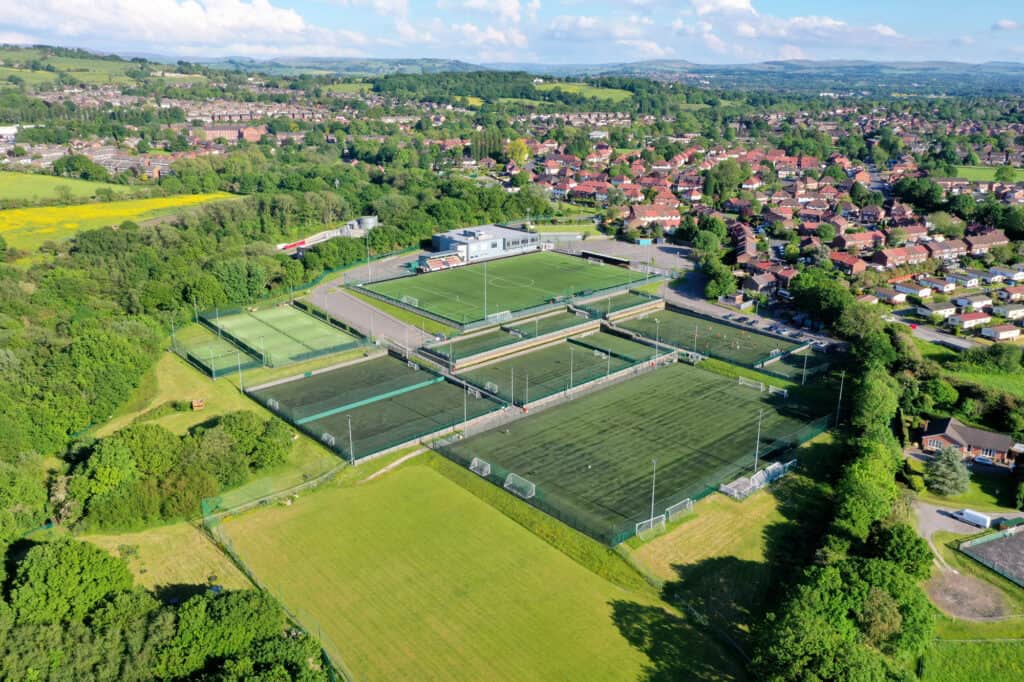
(28, 228)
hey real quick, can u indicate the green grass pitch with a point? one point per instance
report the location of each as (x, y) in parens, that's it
(513, 284)
(283, 334)
(591, 458)
(715, 339)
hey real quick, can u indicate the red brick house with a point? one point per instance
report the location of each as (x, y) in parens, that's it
(943, 433)
(981, 244)
(848, 264)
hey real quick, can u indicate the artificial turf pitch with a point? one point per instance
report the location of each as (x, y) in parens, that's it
(714, 339)
(513, 284)
(591, 458)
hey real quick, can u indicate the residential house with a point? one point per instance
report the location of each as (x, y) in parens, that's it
(1012, 294)
(973, 301)
(1001, 332)
(891, 296)
(949, 249)
(903, 255)
(981, 244)
(644, 215)
(859, 240)
(848, 264)
(1009, 311)
(760, 283)
(869, 299)
(913, 289)
(1008, 272)
(945, 310)
(942, 433)
(963, 279)
(939, 285)
(965, 321)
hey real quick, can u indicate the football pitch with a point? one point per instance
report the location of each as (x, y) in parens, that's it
(705, 336)
(512, 284)
(282, 334)
(364, 408)
(592, 459)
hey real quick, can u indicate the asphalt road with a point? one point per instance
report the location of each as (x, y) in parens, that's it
(926, 333)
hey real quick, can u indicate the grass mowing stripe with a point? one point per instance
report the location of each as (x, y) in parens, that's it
(368, 401)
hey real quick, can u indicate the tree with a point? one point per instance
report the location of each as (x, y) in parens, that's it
(517, 151)
(65, 579)
(1005, 174)
(901, 544)
(946, 473)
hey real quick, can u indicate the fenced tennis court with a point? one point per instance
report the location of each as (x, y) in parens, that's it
(708, 337)
(590, 459)
(279, 335)
(544, 372)
(210, 353)
(472, 293)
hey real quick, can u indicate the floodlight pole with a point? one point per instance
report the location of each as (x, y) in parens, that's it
(839, 402)
(513, 385)
(217, 313)
(527, 399)
(657, 337)
(654, 478)
(757, 444)
(803, 378)
(238, 359)
(485, 290)
(465, 406)
(351, 449)
(571, 357)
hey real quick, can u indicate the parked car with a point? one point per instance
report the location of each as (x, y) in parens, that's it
(983, 459)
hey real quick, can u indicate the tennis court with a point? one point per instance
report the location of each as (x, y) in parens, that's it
(210, 353)
(512, 284)
(545, 372)
(714, 339)
(282, 334)
(591, 458)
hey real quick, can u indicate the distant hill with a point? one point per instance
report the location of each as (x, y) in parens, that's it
(343, 66)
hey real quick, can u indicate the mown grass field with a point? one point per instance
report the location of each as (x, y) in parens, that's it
(352, 88)
(177, 554)
(983, 173)
(428, 325)
(31, 78)
(28, 228)
(986, 491)
(586, 90)
(513, 284)
(413, 577)
(34, 187)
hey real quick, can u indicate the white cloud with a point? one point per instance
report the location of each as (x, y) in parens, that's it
(1006, 25)
(647, 49)
(506, 10)
(703, 31)
(702, 7)
(532, 7)
(489, 35)
(886, 31)
(220, 27)
(14, 38)
(585, 28)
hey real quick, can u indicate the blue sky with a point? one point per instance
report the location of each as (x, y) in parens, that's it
(552, 31)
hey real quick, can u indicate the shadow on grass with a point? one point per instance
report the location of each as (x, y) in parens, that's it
(675, 651)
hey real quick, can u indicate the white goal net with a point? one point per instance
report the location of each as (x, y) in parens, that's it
(411, 300)
(773, 390)
(651, 526)
(328, 438)
(679, 509)
(750, 383)
(480, 467)
(517, 485)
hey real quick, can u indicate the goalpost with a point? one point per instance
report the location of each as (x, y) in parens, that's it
(651, 526)
(517, 485)
(778, 391)
(480, 467)
(750, 383)
(679, 509)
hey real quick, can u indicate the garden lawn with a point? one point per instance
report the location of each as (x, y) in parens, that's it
(412, 577)
(28, 228)
(974, 661)
(35, 187)
(986, 491)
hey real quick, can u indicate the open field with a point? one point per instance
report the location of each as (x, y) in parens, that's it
(512, 284)
(418, 578)
(31, 78)
(175, 555)
(948, 661)
(35, 187)
(351, 88)
(708, 337)
(591, 459)
(282, 334)
(544, 372)
(582, 227)
(983, 173)
(28, 228)
(585, 90)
